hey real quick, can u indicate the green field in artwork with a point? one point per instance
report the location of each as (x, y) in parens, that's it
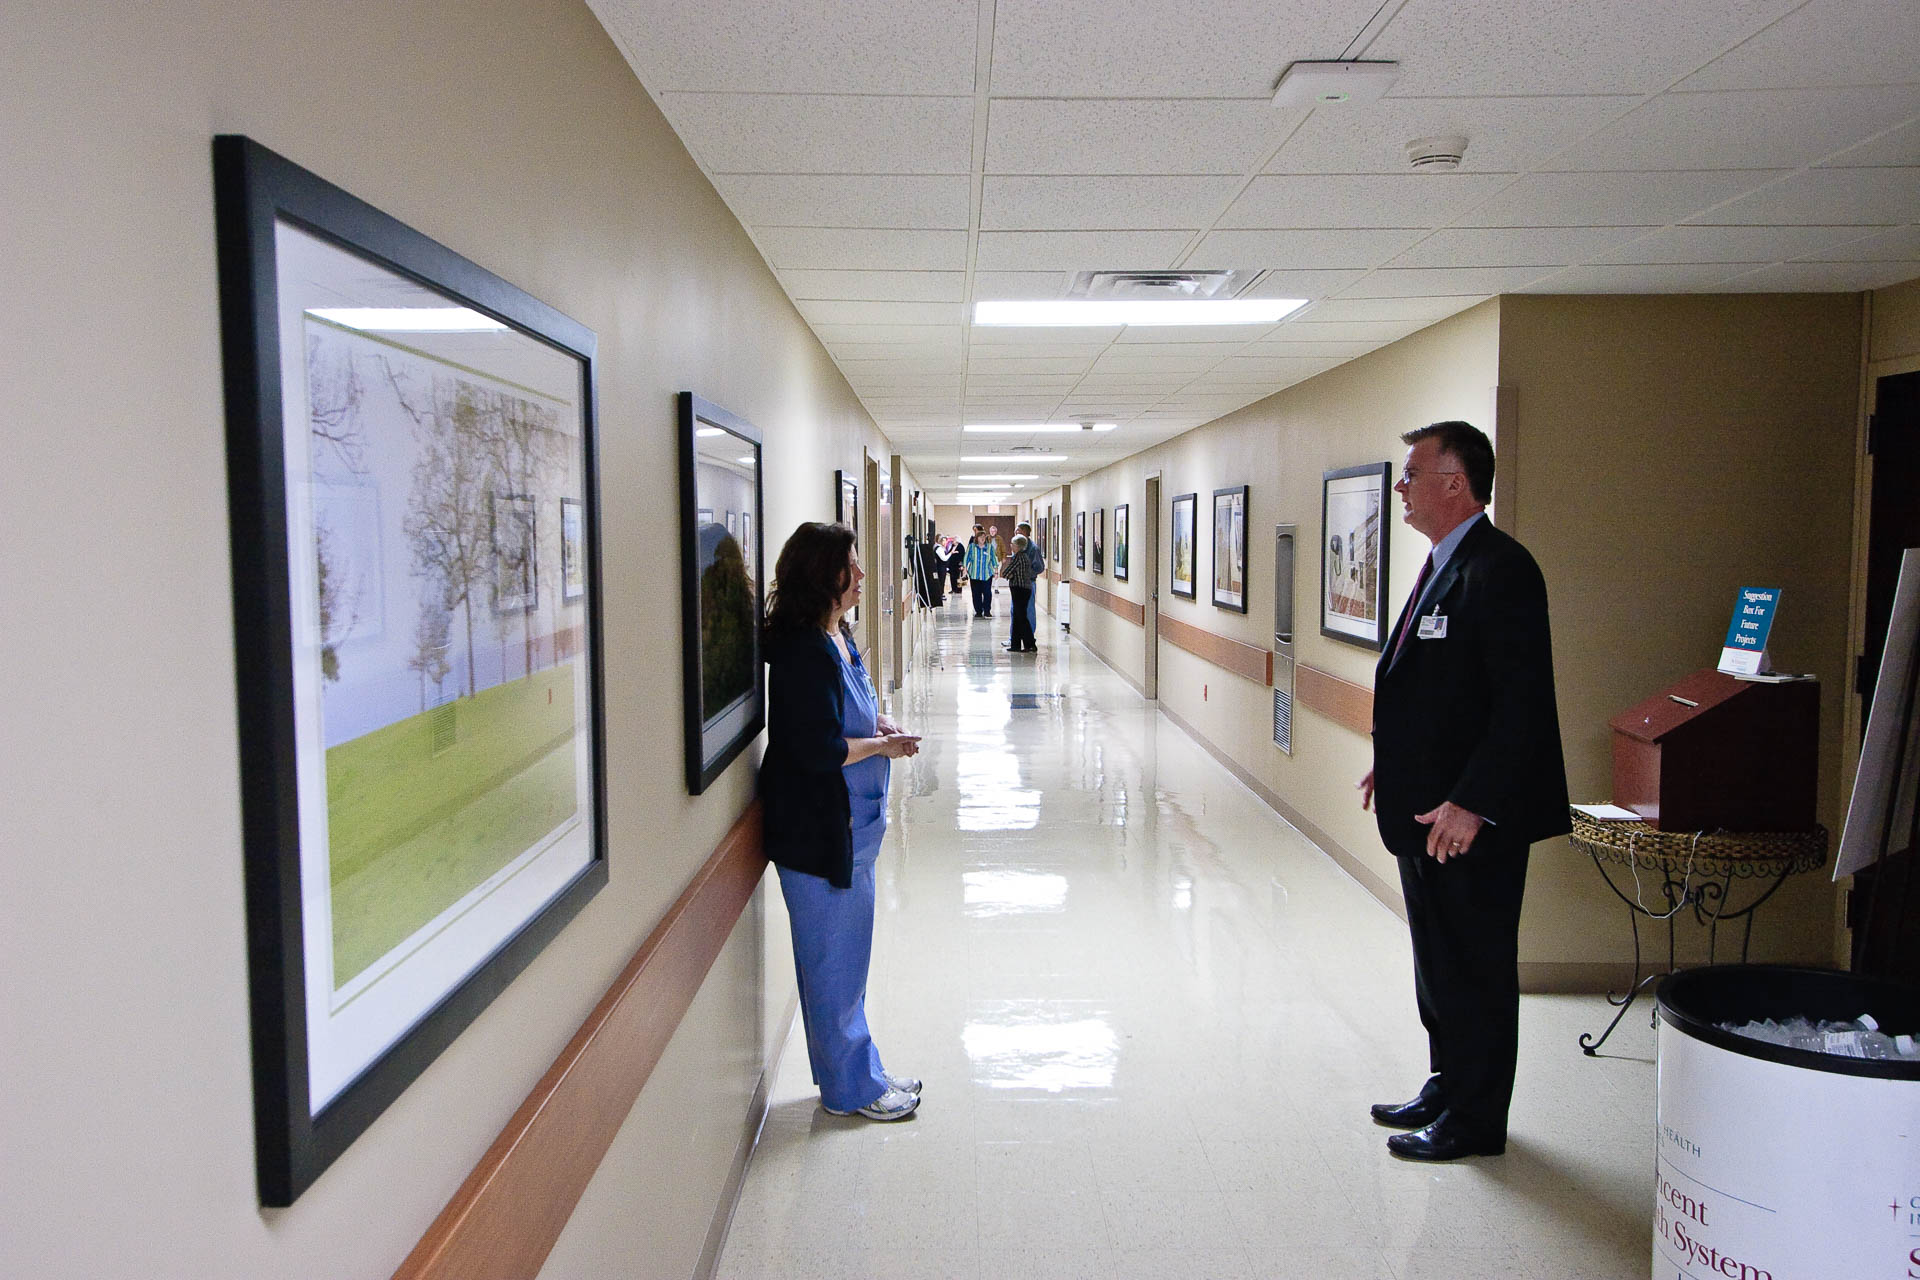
(422, 811)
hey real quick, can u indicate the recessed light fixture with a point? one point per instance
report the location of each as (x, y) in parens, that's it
(1100, 313)
(1020, 457)
(1036, 428)
(410, 319)
(994, 475)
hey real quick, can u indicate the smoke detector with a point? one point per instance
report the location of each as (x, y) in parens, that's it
(1436, 154)
(1320, 82)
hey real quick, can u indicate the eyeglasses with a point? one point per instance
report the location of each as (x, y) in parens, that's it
(1410, 474)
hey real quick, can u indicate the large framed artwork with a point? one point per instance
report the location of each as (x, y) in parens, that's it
(1079, 539)
(1099, 539)
(846, 510)
(1120, 543)
(1353, 554)
(1230, 548)
(421, 726)
(1183, 550)
(725, 687)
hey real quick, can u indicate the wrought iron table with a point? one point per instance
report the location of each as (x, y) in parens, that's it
(1693, 871)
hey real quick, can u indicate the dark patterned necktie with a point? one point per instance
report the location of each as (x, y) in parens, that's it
(1413, 607)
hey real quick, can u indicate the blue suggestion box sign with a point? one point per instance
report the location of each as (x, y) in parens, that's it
(1745, 650)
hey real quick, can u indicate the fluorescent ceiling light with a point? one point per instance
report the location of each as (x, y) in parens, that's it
(1023, 457)
(410, 319)
(1093, 313)
(1033, 428)
(993, 475)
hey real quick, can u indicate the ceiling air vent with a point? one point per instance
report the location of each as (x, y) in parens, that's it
(1159, 286)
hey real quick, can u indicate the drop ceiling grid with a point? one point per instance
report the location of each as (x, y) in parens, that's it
(896, 161)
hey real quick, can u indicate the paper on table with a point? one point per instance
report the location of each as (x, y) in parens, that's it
(1608, 812)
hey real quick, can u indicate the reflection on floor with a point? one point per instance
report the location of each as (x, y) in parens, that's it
(1150, 1017)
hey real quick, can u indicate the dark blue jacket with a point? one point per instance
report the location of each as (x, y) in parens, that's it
(803, 783)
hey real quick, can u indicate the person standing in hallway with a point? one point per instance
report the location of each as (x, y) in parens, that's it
(823, 787)
(982, 563)
(1025, 530)
(1467, 773)
(1018, 571)
(956, 564)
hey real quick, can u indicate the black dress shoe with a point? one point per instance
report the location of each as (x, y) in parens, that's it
(1443, 1140)
(1415, 1114)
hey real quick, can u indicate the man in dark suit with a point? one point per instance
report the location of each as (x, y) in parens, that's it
(1467, 773)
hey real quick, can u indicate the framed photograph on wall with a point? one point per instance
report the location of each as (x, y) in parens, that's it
(422, 739)
(1099, 539)
(1354, 529)
(1230, 548)
(725, 686)
(1120, 543)
(846, 510)
(1079, 539)
(1182, 544)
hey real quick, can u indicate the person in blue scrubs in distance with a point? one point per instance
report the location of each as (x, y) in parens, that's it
(823, 788)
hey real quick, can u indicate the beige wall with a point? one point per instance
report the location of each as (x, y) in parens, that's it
(1670, 451)
(1665, 451)
(514, 133)
(1280, 447)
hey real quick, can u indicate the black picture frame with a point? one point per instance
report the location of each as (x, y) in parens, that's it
(1183, 548)
(846, 510)
(573, 581)
(1356, 532)
(1079, 539)
(724, 685)
(1230, 548)
(305, 265)
(1099, 539)
(1120, 532)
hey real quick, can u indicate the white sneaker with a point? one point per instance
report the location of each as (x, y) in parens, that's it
(905, 1084)
(894, 1104)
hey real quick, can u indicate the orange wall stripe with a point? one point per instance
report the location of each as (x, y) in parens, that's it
(1340, 701)
(1237, 656)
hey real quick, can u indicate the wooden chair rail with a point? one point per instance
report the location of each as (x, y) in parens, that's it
(1341, 701)
(506, 1218)
(1119, 606)
(1237, 656)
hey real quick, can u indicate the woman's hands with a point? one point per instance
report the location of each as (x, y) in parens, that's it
(893, 743)
(896, 745)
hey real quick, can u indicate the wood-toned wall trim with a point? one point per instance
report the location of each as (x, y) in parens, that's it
(506, 1218)
(1237, 656)
(1341, 701)
(1119, 606)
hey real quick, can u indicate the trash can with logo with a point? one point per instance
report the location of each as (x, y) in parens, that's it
(1783, 1163)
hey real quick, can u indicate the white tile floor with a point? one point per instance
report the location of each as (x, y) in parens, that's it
(1150, 1017)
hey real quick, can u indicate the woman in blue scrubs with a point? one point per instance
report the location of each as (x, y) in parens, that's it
(823, 785)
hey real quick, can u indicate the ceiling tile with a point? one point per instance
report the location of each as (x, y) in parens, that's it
(876, 286)
(1296, 284)
(1218, 349)
(1821, 277)
(913, 201)
(1058, 340)
(1360, 200)
(1287, 250)
(1613, 199)
(1124, 360)
(1433, 282)
(1762, 128)
(1149, 48)
(1106, 136)
(978, 362)
(1012, 202)
(1299, 345)
(1827, 42)
(1079, 250)
(1896, 147)
(1222, 335)
(1512, 246)
(1900, 244)
(1021, 285)
(1241, 367)
(1346, 331)
(851, 248)
(1656, 278)
(845, 133)
(1451, 48)
(1728, 244)
(832, 311)
(1504, 135)
(883, 46)
(1829, 197)
(1426, 310)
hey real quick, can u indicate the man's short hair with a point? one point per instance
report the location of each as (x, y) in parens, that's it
(1469, 447)
(1023, 525)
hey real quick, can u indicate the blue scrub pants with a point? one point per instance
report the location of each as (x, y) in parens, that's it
(832, 949)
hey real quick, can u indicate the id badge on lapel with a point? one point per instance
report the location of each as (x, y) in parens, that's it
(1433, 627)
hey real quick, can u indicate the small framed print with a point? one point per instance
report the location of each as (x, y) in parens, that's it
(725, 686)
(1353, 554)
(1120, 543)
(1230, 548)
(1099, 539)
(1079, 539)
(1183, 548)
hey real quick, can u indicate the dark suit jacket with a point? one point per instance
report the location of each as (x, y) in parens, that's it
(803, 783)
(1470, 718)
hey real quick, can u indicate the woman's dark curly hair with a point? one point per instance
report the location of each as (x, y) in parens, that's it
(813, 571)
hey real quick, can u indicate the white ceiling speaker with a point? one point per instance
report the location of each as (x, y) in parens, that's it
(1321, 82)
(1436, 154)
